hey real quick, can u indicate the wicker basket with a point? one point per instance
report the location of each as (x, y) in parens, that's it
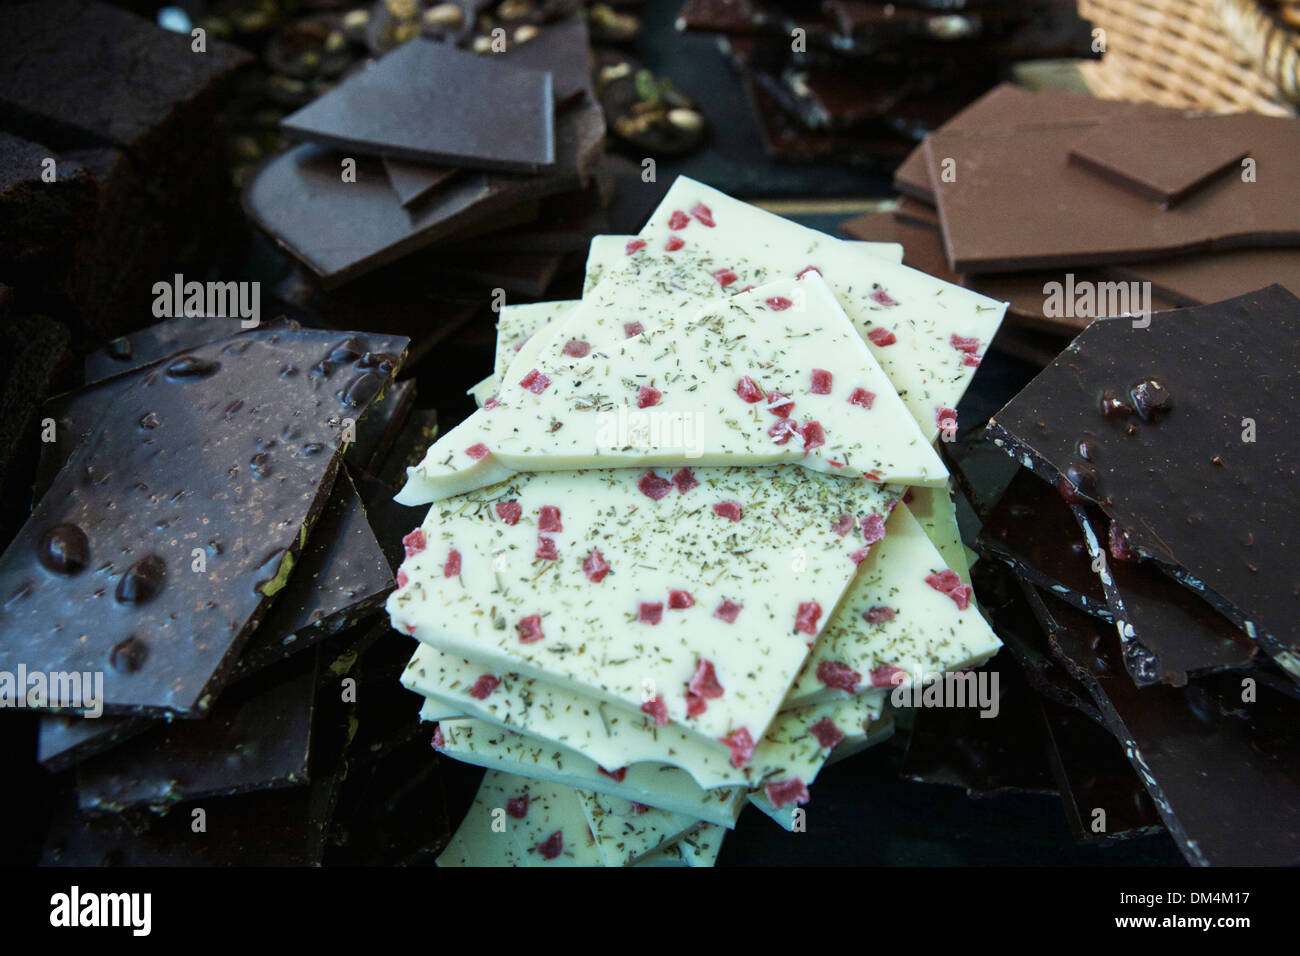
(1186, 54)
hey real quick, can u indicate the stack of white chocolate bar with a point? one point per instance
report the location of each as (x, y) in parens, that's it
(696, 533)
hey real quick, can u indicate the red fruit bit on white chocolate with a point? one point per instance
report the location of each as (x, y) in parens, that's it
(963, 344)
(778, 303)
(844, 524)
(882, 297)
(748, 390)
(727, 611)
(813, 435)
(695, 705)
(657, 709)
(633, 246)
(654, 486)
(961, 596)
(838, 676)
(782, 793)
(632, 329)
(548, 519)
(944, 581)
(782, 431)
(741, 745)
(451, 567)
(617, 775)
(878, 614)
(674, 243)
(779, 405)
(873, 528)
(821, 382)
(484, 686)
(680, 600)
(546, 550)
(478, 452)
(594, 566)
(517, 807)
(552, 846)
(946, 419)
(862, 398)
(678, 220)
(881, 336)
(730, 510)
(409, 628)
(805, 620)
(971, 359)
(647, 396)
(827, 734)
(637, 808)
(535, 382)
(704, 214)
(805, 270)
(705, 682)
(685, 480)
(577, 348)
(725, 277)
(530, 629)
(509, 511)
(402, 580)
(860, 555)
(887, 675)
(414, 542)
(651, 613)
(439, 741)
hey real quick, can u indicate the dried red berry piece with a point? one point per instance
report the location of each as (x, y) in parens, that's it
(517, 807)
(805, 270)
(577, 348)
(961, 596)
(946, 419)
(657, 709)
(674, 243)
(546, 549)
(451, 567)
(414, 542)
(402, 580)
(844, 524)
(860, 555)
(725, 277)
(741, 745)
(530, 629)
(881, 296)
(827, 734)
(813, 435)
(878, 614)
(548, 519)
(478, 451)
(509, 511)
(653, 486)
(647, 396)
(439, 741)
(618, 775)
(807, 616)
(881, 336)
(552, 846)
(748, 390)
(964, 344)
(862, 398)
(887, 675)
(680, 600)
(779, 405)
(873, 528)
(944, 581)
(821, 382)
(633, 246)
(731, 510)
(484, 686)
(535, 382)
(727, 611)
(651, 613)
(778, 303)
(492, 402)
(695, 705)
(705, 682)
(678, 220)
(838, 676)
(685, 480)
(781, 432)
(971, 359)
(704, 214)
(637, 808)
(594, 567)
(782, 793)
(632, 329)
(1120, 549)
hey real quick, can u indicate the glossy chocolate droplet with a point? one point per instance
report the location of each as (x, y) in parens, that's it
(349, 350)
(260, 465)
(378, 361)
(237, 348)
(313, 448)
(190, 367)
(142, 580)
(149, 420)
(64, 549)
(1088, 450)
(1085, 481)
(1112, 406)
(1151, 399)
(288, 371)
(128, 656)
(119, 348)
(361, 389)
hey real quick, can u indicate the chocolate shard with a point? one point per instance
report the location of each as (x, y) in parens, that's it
(152, 344)
(195, 499)
(1156, 425)
(412, 104)
(414, 182)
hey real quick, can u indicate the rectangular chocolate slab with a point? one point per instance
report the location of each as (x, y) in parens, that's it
(160, 544)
